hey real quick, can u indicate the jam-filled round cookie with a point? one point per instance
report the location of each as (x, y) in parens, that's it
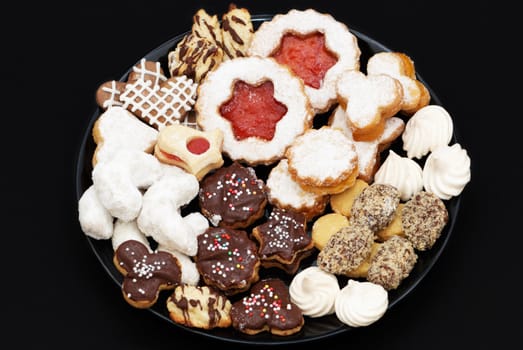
(227, 259)
(315, 46)
(232, 196)
(260, 106)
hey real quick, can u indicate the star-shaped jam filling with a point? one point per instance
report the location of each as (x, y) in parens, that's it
(306, 56)
(253, 111)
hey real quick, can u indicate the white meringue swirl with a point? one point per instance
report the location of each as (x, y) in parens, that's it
(314, 291)
(447, 171)
(429, 128)
(360, 304)
(401, 172)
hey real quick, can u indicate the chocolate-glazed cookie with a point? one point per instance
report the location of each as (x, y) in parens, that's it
(283, 240)
(145, 273)
(232, 196)
(267, 307)
(227, 259)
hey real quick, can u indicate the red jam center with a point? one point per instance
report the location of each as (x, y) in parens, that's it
(198, 145)
(253, 111)
(306, 56)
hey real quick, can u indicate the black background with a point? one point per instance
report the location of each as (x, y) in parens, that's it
(56, 293)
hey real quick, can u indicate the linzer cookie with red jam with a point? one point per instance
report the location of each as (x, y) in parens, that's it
(195, 151)
(315, 46)
(267, 308)
(260, 106)
(227, 259)
(145, 273)
(232, 196)
(283, 240)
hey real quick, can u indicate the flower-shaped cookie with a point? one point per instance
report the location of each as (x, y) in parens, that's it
(401, 67)
(368, 100)
(145, 274)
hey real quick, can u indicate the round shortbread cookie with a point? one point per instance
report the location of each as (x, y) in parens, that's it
(325, 226)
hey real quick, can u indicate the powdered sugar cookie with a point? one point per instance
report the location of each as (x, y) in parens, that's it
(160, 216)
(368, 151)
(401, 67)
(119, 182)
(368, 101)
(118, 129)
(95, 220)
(323, 161)
(314, 45)
(260, 132)
(284, 192)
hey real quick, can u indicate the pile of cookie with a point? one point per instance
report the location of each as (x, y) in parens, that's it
(214, 170)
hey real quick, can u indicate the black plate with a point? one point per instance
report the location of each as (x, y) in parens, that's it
(314, 328)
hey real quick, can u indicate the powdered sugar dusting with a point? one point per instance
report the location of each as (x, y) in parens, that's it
(323, 153)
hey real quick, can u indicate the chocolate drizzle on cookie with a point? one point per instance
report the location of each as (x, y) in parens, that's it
(199, 306)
